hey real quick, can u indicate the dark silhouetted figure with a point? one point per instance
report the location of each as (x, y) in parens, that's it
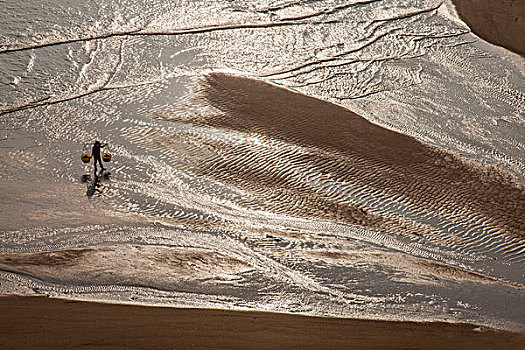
(95, 153)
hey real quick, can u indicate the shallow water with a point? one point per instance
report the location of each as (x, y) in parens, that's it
(208, 234)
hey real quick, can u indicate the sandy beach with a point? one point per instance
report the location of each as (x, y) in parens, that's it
(499, 22)
(348, 146)
(361, 161)
(46, 323)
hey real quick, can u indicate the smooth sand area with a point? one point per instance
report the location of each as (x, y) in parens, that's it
(46, 323)
(499, 22)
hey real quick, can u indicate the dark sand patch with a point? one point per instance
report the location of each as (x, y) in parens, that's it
(351, 149)
(44, 323)
(499, 22)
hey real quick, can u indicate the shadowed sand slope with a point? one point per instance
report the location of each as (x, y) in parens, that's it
(350, 150)
(43, 323)
(499, 22)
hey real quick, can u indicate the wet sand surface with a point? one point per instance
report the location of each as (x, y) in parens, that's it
(499, 22)
(297, 184)
(246, 195)
(46, 323)
(48, 201)
(130, 265)
(348, 148)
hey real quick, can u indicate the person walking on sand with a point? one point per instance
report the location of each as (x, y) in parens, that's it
(95, 153)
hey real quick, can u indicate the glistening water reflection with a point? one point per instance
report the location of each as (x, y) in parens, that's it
(227, 192)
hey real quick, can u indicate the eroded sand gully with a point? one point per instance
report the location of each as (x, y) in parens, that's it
(350, 150)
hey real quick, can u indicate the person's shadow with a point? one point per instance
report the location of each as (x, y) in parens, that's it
(94, 186)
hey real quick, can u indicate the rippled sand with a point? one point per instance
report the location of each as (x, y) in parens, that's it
(264, 198)
(233, 191)
(348, 149)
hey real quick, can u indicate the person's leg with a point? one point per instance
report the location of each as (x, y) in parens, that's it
(100, 162)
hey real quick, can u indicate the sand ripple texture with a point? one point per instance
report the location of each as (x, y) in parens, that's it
(344, 158)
